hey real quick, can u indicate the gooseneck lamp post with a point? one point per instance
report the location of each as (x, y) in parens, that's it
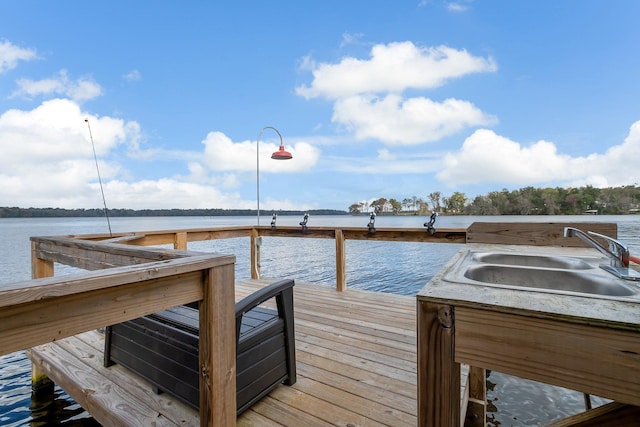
(281, 154)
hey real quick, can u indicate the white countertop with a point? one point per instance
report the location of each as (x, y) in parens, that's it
(593, 310)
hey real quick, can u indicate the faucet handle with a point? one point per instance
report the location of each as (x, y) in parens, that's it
(616, 247)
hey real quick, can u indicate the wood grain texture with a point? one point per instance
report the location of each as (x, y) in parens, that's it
(477, 405)
(595, 360)
(341, 261)
(534, 233)
(53, 318)
(438, 374)
(217, 350)
(611, 414)
(255, 255)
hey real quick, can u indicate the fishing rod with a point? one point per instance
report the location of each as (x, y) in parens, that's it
(95, 157)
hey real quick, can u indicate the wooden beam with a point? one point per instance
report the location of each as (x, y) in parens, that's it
(341, 260)
(477, 407)
(289, 231)
(534, 233)
(124, 239)
(35, 323)
(90, 255)
(217, 347)
(444, 235)
(40, 267)
(41, 385)
(217, 234)
(610, 414)
(573, 355)
(438, 373)
(44, 310)
(160, 237)
(255, 254)
(180, 241)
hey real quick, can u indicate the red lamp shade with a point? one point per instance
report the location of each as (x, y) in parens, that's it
(281, 154)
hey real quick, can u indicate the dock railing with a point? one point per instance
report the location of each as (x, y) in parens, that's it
(523, 233)
(180, 239)
(125, 281)
(129, 282)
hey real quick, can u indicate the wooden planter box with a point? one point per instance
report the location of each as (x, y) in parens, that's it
(163, 347)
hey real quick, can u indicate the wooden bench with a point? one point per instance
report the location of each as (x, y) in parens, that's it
(163, 347)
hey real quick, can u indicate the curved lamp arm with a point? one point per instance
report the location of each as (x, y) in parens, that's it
(258, 165)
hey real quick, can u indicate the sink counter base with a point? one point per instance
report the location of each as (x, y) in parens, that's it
(585, 344)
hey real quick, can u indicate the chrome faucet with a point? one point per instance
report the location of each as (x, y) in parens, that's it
(617, 252)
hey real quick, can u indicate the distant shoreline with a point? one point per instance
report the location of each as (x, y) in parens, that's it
(15, 212)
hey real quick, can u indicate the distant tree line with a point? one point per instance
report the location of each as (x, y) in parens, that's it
(525, 201)
(15, 212)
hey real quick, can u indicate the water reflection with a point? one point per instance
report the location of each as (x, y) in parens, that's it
(58, 408)
(19, 407)
(514, 401)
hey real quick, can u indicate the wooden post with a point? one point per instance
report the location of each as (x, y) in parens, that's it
(341, 275)
(438, 373)
(39, 267)
(41, 385)
(218, 348)
(255, 254)
(477, 407)
(180, 241)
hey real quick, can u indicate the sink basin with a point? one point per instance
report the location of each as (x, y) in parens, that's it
(541, 261)
(536, 272)
(549, 279)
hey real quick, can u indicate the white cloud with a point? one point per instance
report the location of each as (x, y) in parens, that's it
(56, 131)
(10, 55)
(132, 76)
(59, 85)
(48, 161)
(197, 172)
(47, 157)
(367, 93)
(348, 39)
(385, 163)
(222, 154)
(384, 154)
(486, 157)
(394, 67)
(618, 166)
(396, 121)
(457, 7)
(167, 193)
(306, 63)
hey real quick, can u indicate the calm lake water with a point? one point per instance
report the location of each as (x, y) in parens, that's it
(402, 268)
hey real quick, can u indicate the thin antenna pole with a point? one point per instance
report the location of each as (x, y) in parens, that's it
(95, 157)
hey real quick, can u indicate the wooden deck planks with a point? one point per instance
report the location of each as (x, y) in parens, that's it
(112, 396)
(356, 357)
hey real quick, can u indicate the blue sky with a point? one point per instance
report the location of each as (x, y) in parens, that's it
(374, 99)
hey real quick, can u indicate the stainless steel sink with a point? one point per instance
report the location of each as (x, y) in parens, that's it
(550, 279)
(532, 260)
(541, 273)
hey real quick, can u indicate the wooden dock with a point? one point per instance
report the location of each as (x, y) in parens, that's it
(356, 361)
(356, 350)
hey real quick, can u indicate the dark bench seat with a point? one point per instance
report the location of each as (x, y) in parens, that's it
(163, 347)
